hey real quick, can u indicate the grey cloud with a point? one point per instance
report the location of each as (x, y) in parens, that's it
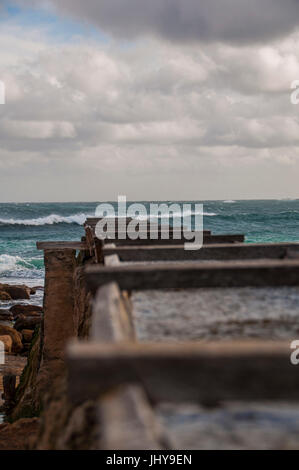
(188, 20)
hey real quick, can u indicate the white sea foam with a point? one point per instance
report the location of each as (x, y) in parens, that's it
(10, 263)
(47, 220)
(177, 214)
(79, 219)
(229, 201)
(17, 266)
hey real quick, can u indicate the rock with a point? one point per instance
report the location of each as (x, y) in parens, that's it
(25, 310)
(4, 318)
(16, 337)
(4, 311)
(9, 390)
(27, 335)
(27, 323)
(4, 296)
(35, 289)
(16, 291)
(7, 341)
(19, 435)
(27, 347)
(5, 315)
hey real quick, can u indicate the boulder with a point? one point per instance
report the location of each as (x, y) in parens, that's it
(5, 311)
(27, 323)
(7, 341)
(30, 310)
(4, 296)
(27, 335)
(5, 315)
(16, 292)
(4, 318)
(16, 337)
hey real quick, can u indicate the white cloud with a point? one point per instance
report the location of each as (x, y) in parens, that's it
(152, 109)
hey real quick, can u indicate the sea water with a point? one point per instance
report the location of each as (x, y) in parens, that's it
(23, 224)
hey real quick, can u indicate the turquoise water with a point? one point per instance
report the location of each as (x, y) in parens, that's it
(21, 225)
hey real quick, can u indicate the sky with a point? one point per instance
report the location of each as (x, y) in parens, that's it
(167, 99)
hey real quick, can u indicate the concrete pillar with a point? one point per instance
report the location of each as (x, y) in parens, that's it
(59, 322)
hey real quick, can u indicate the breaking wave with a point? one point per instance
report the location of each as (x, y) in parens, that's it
(52, 219)
(19, 267)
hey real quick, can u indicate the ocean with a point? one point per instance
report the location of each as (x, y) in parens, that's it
(22, 224)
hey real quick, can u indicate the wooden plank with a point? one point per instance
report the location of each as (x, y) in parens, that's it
(127, 422)
(208, 373)
(112, 316)
(220, 252)
(61, 245)
(255, 273)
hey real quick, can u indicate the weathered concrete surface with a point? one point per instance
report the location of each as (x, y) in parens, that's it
(65, 427)
(128, 422)
(186, 275)
(222, 252)
(62, 425)
(233, 426)
(216, 314)
(59, 321)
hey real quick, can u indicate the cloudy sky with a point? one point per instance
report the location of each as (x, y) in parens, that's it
(160, 99)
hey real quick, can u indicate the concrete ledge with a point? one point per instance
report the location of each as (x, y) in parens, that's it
(253, 273)
(220, 252)
(208, 373)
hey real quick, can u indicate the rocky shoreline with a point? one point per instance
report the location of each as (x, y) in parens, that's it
(38, 412)
(19, 323)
